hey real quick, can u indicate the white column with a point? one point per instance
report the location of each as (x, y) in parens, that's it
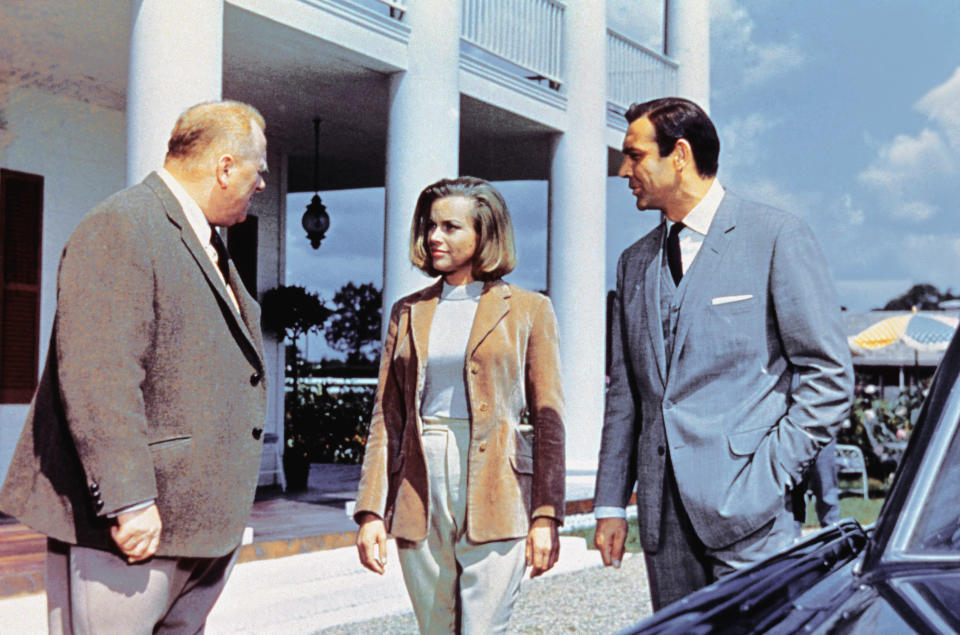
(687, 41)
(423, 139)
(176, 61)
(577, 229)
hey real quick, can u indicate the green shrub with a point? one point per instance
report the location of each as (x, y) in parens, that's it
(328, 426)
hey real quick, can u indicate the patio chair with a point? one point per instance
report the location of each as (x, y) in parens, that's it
(850, 462)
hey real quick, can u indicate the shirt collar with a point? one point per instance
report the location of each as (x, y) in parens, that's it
(701, 216)
(199, 223)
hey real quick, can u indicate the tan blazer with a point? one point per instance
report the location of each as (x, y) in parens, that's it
(153, 387)
(511, 366)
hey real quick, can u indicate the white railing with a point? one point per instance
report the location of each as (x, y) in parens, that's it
(526, 33)
(400, 5)
(635, 73)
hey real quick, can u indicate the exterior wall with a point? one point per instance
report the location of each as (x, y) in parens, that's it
(78, 148)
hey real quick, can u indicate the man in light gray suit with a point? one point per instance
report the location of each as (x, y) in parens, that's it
(140, 454)
(729, 368)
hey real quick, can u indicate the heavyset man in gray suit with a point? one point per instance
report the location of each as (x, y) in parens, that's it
(139, 458)
(729, 368)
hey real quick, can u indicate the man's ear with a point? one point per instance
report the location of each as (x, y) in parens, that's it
(682, 153)
(225, 167)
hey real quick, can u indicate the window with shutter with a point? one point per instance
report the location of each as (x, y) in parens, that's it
(21, 224)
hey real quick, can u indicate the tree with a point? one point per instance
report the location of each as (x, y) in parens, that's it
(923, 296)
(292, 312)
(354, 326)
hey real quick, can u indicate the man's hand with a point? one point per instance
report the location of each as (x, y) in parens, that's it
(610, 538)
(137, 533)
(372, 543)
(543, 545)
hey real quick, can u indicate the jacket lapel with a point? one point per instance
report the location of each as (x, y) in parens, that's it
(651, 298)
(421, 316)
(705, 269)
(189, 238)
(492, 307)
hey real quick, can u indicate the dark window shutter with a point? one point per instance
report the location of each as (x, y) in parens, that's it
(21, 224)
(242, 243)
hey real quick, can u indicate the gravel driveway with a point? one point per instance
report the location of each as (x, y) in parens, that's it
(593, 600)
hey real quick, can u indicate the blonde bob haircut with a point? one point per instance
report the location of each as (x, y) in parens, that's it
(496, 255)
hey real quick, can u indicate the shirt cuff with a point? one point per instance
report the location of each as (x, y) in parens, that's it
(132, 508)
(609, 512)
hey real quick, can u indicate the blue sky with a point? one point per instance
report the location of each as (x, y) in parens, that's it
(845, 112)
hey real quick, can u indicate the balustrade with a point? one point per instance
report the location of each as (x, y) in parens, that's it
(526, 33)
(635, 73)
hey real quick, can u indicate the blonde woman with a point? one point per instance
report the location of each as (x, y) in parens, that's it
(465, 460)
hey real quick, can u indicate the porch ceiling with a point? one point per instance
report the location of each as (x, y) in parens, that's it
(79, 49)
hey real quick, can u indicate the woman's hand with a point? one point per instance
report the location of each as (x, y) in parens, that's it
(372, 542)
(543, 545)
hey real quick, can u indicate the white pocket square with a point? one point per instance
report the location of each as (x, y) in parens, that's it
(727, 299)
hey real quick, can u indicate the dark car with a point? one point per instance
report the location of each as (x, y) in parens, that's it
(902, 575)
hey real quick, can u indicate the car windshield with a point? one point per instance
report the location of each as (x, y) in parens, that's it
(928, 526)
(937, 530)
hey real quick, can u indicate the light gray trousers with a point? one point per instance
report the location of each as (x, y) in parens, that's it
(93, 591)
(457, 586)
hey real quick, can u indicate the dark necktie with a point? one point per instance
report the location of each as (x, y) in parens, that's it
(223, 256)
(673, 252)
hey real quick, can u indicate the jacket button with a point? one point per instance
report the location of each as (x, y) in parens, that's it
(98, 503)
(256, 433)
(94, 488)
(474, 369)
(483, 407)
(255, 378)
(483, 446)
(660, 450)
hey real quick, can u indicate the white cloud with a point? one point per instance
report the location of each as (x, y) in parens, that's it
(914, 175)
(742, 142)
(732, 37)
(942, 105)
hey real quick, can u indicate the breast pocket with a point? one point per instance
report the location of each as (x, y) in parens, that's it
(733, 305)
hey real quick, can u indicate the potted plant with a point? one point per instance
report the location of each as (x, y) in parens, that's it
(290, 312)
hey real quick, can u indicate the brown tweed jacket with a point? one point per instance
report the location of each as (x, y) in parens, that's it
(153, 387)
(511, 365)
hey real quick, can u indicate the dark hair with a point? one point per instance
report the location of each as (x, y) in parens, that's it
(495, 256)
(675, 118)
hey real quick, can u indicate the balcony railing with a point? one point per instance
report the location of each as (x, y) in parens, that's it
(526, 33)
(635, 73)
(526, 37)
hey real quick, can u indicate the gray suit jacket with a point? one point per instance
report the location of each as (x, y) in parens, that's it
(153, 387)
(755, 387)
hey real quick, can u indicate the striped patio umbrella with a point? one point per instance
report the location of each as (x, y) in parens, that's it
(920, 331)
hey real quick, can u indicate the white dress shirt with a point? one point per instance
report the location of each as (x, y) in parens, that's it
(696, 225)
(199, 224)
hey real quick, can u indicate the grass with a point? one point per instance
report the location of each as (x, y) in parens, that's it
(864, 511)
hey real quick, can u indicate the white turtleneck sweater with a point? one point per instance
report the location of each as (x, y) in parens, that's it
(444, 390)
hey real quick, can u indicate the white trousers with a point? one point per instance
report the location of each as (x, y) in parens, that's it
(457, 586)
